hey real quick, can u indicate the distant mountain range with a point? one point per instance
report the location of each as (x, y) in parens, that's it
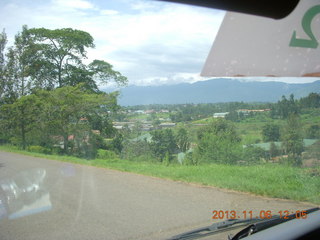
(213, 91)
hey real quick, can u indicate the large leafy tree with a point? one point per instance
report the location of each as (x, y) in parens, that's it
(18, 66)
(59, 60)
(58, 50)
(163, 143)
(218, 143)
(292, 139)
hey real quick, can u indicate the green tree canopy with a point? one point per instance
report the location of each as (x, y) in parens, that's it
(3, 42)
(311, 101)
(313, 131)
(270, 133)
(292, 139)
(218, 143)
(286, 107)
(57, 50)
(163, 142)
(48, 93)
(20, 118)
(54, 58)
(68, 109)
(182, 140)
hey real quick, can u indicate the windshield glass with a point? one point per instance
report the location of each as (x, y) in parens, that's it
(132, 119)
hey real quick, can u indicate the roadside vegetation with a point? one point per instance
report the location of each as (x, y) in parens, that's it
(280, 181)
(51, 106)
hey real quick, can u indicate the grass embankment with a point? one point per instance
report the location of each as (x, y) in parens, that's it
(266, 180)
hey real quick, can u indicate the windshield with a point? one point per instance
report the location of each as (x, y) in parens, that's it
(138, 119)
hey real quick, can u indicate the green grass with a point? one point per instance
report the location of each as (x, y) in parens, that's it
(266, 180)
(204, 120)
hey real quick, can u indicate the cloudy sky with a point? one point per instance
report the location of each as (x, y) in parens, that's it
(150, 42)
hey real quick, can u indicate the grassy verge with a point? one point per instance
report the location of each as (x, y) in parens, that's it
(266, 180)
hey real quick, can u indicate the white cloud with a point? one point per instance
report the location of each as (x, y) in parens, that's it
(142, 5)
(108, 12)
(143, 46)
(172, 79)
(73, 4)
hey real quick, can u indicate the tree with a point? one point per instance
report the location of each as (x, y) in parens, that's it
(66, 112)
(103, 73)
(286, 107)
(218, 143)
(234, 116)
(273, 151)
(3, 42)
(137, 150)
(117, 143)
(270, 133)
(292, 140)
(58, 50)
(59, 60)
(182, 140)
(313, 131)
(101, 121)
(21, 117)
(163, 142)
(311, 101)
(253, 154)
(18, 66)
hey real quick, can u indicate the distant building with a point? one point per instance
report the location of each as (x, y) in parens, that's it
(121, 125)
(164, 111)
(220, 115)
(97, 132)
(150, 111)
(167, 125)
(247, 111)
(139, 111)
(146, 127)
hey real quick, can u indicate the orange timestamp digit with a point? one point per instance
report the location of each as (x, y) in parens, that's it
(262, 214)
(231, 214)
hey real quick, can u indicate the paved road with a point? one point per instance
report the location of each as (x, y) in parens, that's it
(83, 202)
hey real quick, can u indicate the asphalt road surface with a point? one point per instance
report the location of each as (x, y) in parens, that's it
(70, 201)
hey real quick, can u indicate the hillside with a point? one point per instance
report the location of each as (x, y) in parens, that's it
(215, 90)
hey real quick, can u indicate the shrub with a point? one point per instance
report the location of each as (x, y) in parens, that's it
(39, 149)
(15, 141)
(190, 159)
(137, 151)
(313, 131)
(106, 154)
(270, 132)
(57, 150)
(253, 154)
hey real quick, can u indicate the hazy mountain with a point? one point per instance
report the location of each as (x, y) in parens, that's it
(215, 90)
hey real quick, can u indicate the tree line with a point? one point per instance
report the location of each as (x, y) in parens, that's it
(190, 112)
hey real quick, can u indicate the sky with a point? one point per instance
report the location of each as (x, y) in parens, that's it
(150, 42)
